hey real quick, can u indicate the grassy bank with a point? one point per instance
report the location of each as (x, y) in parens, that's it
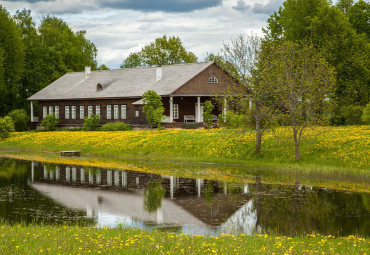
(343, 147)
(81, 240)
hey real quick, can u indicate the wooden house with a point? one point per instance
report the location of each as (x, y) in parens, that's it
(116, 95)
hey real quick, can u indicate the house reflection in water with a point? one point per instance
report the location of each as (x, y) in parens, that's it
(147, 200)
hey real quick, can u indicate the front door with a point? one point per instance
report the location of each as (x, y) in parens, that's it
(201, 112)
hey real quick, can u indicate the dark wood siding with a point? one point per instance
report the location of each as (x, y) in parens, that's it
(199, 84)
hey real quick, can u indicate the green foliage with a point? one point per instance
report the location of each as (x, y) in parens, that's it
(153, 194)
(359, 17)
(334, 35)
(207, 113)
(153, 107)
(352, 114)
(235, 120)
(366, 115)
(91, 123)
(50, 122)
(6, 127)
(20, 119)
(103, 67)
(163, 51)
(116, 126)
(11, 62)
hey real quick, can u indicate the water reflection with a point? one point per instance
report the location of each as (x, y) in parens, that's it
(108, 197)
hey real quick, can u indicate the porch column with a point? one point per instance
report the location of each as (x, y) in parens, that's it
(171, 109)
(198, 109)
(31, 111)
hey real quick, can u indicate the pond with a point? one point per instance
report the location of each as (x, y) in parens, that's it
(34, 192)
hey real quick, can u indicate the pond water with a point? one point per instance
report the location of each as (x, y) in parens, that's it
(33, 192)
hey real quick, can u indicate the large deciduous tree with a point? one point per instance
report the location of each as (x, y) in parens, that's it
(11, 62)
(301, 81)
(240, 58)
(330, 30)
(163, 51)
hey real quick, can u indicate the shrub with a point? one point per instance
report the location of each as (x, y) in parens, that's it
(366, 115)
(20, 119)
(207, 113)
(235, 120)
(6, 126)
(50, 122)
(153, 107)
(352, 114)
(116, 126)
(91, 123)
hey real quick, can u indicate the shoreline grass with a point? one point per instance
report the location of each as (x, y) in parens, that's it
(35, 239)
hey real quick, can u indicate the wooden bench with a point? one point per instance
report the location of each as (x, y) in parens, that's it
(70, 153)
(189, 118)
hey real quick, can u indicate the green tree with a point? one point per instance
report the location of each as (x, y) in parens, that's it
(153, 195)
(366, 115)
(11, 62)
(6, 127)
(153, 107)
(20, 119)
(328, 28)
(344, 5)
(133, 60)
(50, 122)
(359, 17)
(301, 80)
(91, 123)
(103, 67)
(163, 51)
(207, 113)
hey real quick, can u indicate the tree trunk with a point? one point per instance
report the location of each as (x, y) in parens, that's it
(296, 145)
(258, 133)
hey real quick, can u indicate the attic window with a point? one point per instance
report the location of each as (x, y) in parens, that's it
(212, 80)
(99, 87)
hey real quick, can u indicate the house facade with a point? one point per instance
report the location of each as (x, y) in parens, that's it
(116, 95)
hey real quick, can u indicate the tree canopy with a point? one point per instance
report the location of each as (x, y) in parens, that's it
(163, 51)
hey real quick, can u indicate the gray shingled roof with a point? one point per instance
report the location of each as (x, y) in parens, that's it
(128, 82)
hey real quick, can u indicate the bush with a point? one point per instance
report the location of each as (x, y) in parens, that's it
(352, 114)
(366, 115)
(50, 122)
(235, 120)
(20, 119)
(116, 126)
(91, 123)
(6, 126)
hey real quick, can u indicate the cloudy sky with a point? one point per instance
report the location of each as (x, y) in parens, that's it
(119, 27)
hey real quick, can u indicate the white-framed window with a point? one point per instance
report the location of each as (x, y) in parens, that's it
(136, 113)
(89, 110)
(123, 111)
(97, 110)
(44, 111)
(66, 112)
(56, 112)
(82, 112)
(175, 111)
(213, 79)
(50, 109)
(109, 112)
(73, 108)
(115, 115)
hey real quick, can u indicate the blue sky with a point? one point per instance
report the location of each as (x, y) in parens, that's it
(119, 27)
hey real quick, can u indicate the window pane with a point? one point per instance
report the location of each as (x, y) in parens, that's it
(115, 112)
(89, 110)
(123, 111)
(57, 112)
(44, 111)
(73, 112)
(82, 112)
(109, 112)
(175, 111)
(50, 109)
(66, 112)
(136, 113)
(97, 110)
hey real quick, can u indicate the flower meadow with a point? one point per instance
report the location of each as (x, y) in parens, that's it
(346, 146)
(32, 239)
